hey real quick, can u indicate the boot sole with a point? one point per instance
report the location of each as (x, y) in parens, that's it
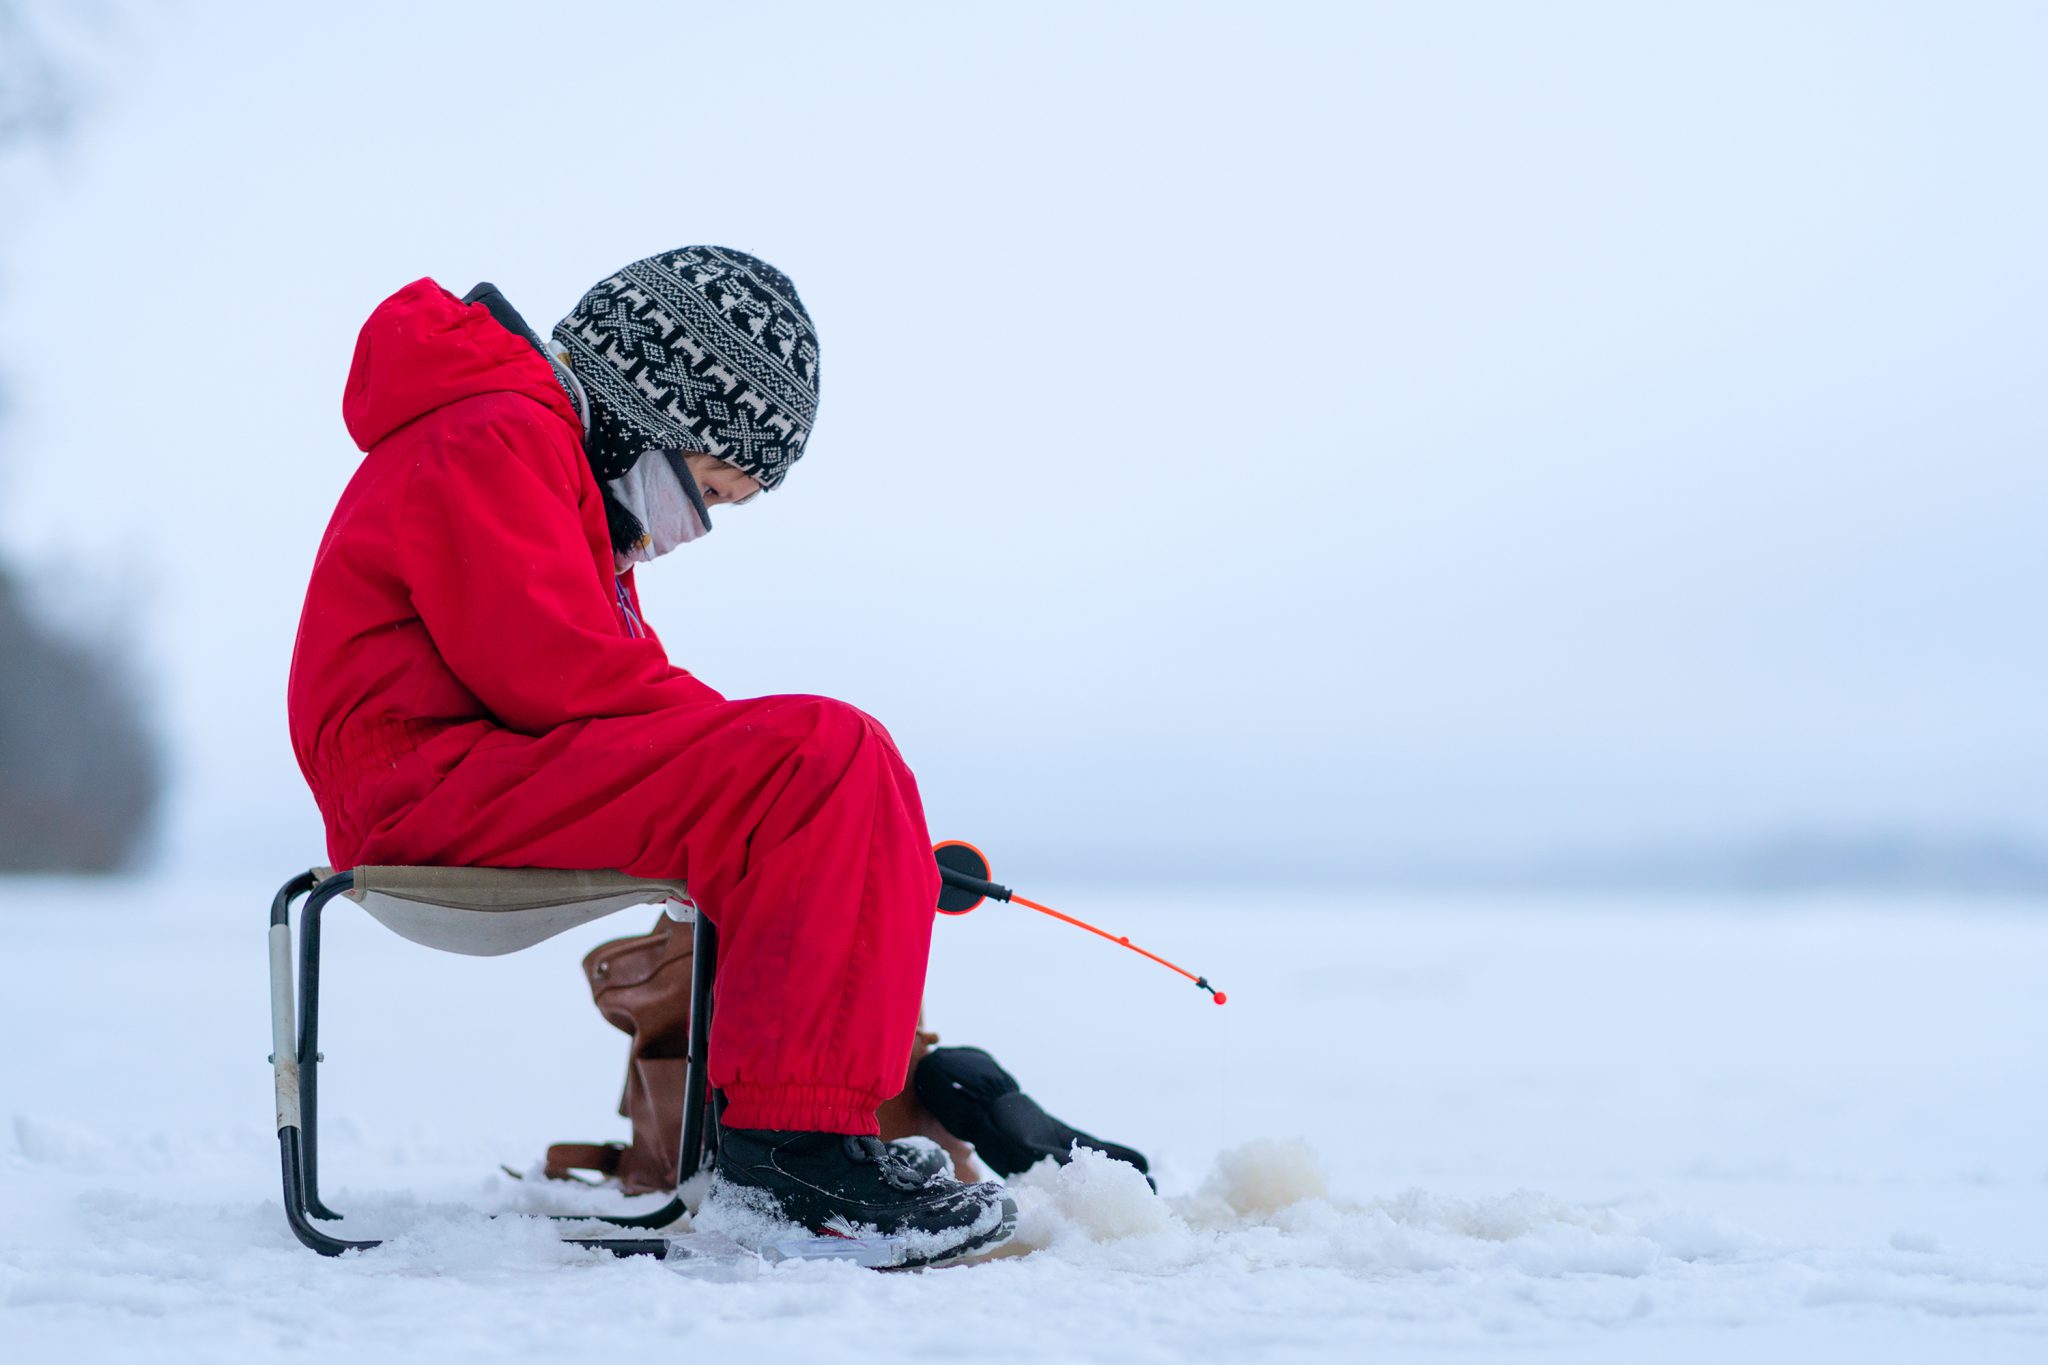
(904, 1251)
(1005, 1228)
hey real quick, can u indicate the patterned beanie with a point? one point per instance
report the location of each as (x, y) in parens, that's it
(700, 348)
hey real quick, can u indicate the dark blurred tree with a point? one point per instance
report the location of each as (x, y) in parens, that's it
(81, 776)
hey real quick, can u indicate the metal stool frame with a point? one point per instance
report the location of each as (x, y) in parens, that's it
(295, 1059)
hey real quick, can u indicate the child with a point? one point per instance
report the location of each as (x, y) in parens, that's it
(474, 685)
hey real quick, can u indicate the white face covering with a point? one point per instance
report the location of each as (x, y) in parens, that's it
(658, 494)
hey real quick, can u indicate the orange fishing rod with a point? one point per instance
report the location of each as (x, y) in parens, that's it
(963, 873)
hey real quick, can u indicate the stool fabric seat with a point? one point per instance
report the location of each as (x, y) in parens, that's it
(491, 911)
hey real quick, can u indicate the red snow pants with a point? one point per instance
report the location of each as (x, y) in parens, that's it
(800, 832)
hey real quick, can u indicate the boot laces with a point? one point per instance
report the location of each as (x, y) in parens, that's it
(870, 1150)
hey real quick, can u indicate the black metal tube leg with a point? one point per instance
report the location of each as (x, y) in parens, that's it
(696, 1078)
(309, 1039)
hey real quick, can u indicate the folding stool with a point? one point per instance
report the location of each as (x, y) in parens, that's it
(480, 912)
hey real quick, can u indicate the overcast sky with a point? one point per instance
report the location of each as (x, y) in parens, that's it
(1253, 437)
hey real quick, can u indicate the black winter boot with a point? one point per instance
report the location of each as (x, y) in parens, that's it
(981, 1103)
(841, 1186)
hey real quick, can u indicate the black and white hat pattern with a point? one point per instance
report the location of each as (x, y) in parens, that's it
(700, 348)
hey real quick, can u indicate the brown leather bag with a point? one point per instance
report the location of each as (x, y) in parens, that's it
(642, 986)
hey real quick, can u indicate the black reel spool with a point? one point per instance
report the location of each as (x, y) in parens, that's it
(961, 863)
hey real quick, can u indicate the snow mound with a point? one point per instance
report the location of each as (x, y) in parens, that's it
(1090, 1200)
(1258, 1180)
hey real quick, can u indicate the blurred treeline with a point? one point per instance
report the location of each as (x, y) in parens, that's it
(81, 775)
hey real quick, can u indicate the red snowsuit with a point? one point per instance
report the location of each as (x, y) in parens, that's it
(471, 687)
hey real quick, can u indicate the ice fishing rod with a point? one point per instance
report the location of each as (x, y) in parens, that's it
(963, 873)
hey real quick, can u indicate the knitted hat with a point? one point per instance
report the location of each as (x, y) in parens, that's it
(700, 348)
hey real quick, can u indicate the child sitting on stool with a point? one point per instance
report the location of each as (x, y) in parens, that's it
(475, 685)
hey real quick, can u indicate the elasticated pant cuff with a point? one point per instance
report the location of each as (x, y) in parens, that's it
(802, 1109)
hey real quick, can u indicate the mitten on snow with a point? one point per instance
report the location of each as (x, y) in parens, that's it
(967, 1091)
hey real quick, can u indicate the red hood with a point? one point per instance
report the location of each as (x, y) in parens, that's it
(423, 349)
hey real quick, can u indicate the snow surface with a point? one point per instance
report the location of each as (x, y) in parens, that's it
(1422, 1129)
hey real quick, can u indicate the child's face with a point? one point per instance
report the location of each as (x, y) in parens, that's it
(721, 484)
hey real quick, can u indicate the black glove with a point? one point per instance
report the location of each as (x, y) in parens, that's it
(979, 1102)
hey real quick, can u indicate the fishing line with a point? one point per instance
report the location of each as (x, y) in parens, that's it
(963, 872)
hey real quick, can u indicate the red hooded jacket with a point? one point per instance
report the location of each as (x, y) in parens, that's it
(474, 473)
